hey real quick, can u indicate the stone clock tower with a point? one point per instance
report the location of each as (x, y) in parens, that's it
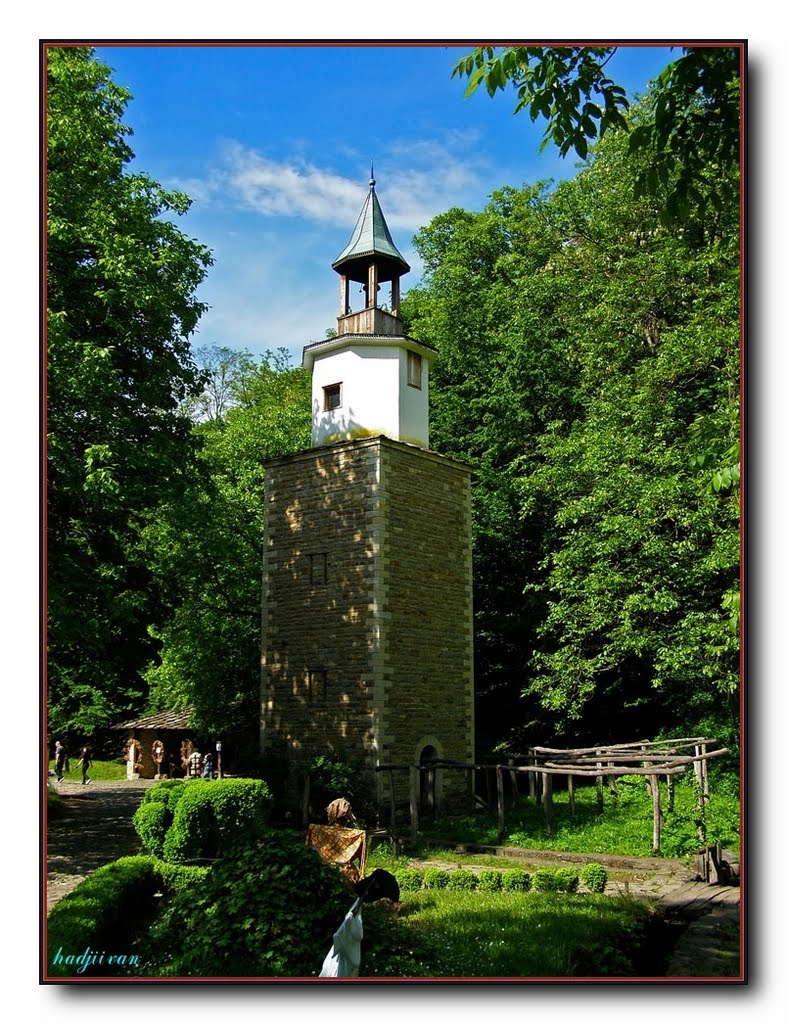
(367, 573)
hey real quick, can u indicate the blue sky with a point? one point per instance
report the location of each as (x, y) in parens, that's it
(274, 145)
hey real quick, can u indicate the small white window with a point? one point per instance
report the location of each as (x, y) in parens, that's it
(332, 397)
(414, 369)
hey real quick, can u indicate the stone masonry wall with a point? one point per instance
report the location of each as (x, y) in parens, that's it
(367, 606)
(424, 697)
(318, 584)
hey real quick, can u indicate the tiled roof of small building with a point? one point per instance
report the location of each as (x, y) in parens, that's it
(161, 720)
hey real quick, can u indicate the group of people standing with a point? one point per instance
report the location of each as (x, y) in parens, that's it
(62, 762)
(198, 765)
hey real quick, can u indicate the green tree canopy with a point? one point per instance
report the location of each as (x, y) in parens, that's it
(589, 368)
(121, 281)
(690, 129)
(205, 546)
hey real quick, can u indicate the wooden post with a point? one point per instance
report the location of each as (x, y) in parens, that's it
(431, 789)
(613, 786)
(654, 785)
(512, 777)
(392, 797)
(414, 802)
(698, 773)
(501, 803)
(571, 804)
(599, 784)
(531, 777)
(395, 296)
(670, 793)
(546, 780)
(305, 804)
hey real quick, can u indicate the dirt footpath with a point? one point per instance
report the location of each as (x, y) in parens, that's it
(91, 827)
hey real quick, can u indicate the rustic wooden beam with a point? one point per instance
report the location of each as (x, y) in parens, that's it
(637, 745)
(547, 798)
(571, 803)
(501, 804)
(305, 800)
(654, 785)
(392, 797)
(414, 787)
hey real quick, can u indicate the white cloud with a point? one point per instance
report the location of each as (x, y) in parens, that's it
(428, 177)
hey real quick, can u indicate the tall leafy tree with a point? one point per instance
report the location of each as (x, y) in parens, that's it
(589, 369)
(205, 547)
(121, 281)
(642, 555)
(692, 131)
(490, 304)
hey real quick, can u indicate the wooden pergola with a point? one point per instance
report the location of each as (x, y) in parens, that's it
(657, 760)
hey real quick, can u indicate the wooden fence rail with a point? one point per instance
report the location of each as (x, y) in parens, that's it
(656, 760)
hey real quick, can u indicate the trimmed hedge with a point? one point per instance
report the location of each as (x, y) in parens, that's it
(594, 877)
(95, 914)
(151, 822)
(462, 879)
(154, 816)
(436, 878)
(490, 881)
(409, 879)
(516, 881)
(202, 819)
(556, 880)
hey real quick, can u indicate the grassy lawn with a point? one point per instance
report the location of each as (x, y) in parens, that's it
(505, 935)
(104, 771)
(624, 826)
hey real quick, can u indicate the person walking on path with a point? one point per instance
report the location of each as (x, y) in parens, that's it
(85, 762)
(60, 760)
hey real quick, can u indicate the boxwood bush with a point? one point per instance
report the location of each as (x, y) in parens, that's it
(409, 879)
(594, 877)
(556, 880)
(151, 821)
(155, 814)
(214, 818)
(544, 880)
(516, 881)
(463, 879)
(436, 878)
(567, 879)
(490, 881)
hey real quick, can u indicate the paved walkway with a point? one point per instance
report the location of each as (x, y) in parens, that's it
(92, 827)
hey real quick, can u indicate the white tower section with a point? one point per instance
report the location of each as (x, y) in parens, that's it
(364, 386)
(370, 379)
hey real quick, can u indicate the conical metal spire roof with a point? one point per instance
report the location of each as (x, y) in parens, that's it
(371, 241)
